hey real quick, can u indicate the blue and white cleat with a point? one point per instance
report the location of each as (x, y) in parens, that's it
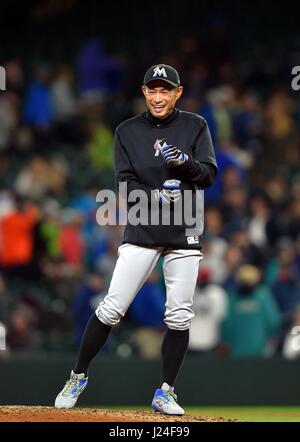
(68, 396)
(165, 401)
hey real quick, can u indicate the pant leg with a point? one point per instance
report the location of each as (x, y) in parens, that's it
(180, 272)
(133, 267)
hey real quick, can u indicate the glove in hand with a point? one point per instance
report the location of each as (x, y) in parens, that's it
(170, 192)
(173, 156)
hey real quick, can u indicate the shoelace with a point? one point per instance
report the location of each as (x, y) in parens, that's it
(70, 384)
(172, 394)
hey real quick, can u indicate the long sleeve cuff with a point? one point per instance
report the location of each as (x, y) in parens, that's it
(202, 174)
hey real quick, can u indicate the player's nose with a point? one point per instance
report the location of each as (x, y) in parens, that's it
(157, 98)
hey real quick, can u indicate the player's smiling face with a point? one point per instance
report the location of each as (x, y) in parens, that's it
(161, 97)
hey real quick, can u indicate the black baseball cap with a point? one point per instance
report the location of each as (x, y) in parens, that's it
(162, 72)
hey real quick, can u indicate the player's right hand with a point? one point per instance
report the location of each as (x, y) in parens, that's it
(170, 192)
(173, 156)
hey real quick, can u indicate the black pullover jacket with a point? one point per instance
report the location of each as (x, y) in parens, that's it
(139, 163)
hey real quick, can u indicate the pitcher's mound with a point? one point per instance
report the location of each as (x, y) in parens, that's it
(51, 414)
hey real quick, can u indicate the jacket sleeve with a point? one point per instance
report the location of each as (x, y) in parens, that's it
(201, 167)
(124, 171)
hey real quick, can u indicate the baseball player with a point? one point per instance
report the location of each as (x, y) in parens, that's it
(167, 155)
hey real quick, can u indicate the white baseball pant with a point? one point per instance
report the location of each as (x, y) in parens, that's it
(134, 265)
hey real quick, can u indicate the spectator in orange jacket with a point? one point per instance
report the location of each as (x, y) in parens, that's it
(17, 236)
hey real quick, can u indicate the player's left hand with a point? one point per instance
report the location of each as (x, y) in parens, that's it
(170, 192)
(173, 156)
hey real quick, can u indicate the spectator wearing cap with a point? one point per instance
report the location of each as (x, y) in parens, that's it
(252, 316)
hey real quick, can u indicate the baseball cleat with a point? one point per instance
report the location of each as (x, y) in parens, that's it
(68, 396)
(165, 401)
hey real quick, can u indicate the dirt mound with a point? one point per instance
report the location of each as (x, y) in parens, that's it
(51, 414)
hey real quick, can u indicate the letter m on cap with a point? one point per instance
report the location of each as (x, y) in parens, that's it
(158, 71)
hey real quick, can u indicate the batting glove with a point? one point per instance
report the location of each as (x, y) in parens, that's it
(173, 156)
(170, 192)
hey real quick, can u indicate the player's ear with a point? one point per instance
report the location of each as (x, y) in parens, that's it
(144, 90)
(179, 91)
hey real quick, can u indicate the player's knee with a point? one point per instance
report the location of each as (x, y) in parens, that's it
(179, 319)
(107, 315)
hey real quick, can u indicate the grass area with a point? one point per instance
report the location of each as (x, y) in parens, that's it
(243, 414)
(250, 414)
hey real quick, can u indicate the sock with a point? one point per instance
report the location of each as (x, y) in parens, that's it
(95, 336)
(166, 387)
(173, 351)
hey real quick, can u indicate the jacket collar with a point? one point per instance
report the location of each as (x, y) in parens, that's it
(158, 122)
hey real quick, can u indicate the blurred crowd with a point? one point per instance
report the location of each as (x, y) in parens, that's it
(56, 152)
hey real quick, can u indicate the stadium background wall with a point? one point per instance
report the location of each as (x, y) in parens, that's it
(117, 382)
